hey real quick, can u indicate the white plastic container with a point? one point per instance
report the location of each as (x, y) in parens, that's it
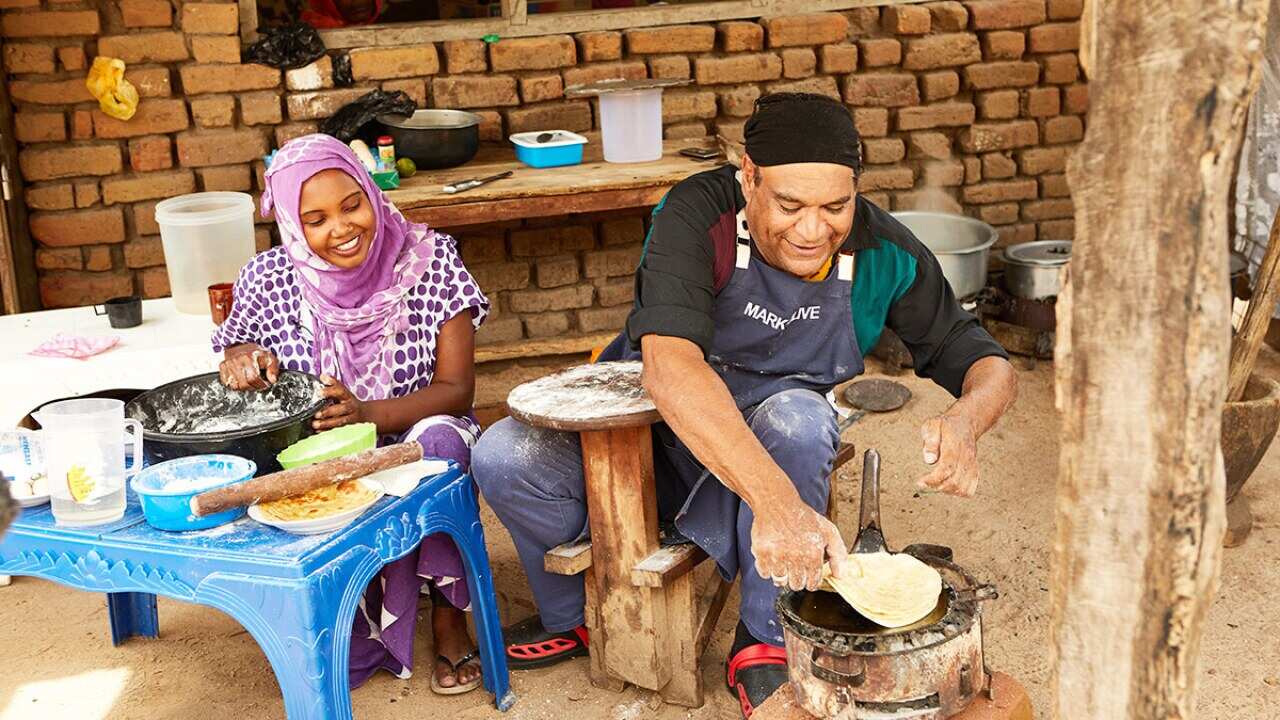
(631, 125)
(207, 238)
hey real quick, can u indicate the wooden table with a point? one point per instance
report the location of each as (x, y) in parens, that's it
(642, 610)
(592, 186)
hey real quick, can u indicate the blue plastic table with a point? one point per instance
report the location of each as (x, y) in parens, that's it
(297, 595)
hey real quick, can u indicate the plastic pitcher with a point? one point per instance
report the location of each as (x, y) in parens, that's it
(207, 238)
(84, 442)
(631, 125)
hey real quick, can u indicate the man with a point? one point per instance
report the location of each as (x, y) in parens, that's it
(757, 294)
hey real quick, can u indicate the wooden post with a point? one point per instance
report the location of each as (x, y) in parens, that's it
(1253, 328)
(1142, 355)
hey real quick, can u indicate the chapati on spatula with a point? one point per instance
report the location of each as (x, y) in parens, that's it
(889, 589)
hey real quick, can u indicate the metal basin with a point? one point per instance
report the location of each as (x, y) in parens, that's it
(961, 244)
(434, 139)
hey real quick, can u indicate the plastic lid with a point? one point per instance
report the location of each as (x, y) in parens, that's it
(205, 208)
(1041, 252)
(386, 140)
(547, 139)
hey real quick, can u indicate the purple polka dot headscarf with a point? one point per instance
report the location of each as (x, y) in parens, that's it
(357, 310)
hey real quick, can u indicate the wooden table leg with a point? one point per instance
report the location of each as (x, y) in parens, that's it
(623, 511)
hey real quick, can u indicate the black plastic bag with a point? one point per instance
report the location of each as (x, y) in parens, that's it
(287, 47)
(342, 76)
(348, 122)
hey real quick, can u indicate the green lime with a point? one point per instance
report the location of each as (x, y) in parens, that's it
(405, 167)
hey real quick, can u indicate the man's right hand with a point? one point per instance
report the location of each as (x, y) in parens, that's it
(791, 542)
(249, 367)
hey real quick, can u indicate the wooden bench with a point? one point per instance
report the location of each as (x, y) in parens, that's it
(649, 622)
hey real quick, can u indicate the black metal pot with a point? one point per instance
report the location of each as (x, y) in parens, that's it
(434, 139)
(169, 412)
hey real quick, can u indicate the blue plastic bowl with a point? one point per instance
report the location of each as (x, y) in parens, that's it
(165, 490)
(559, 148)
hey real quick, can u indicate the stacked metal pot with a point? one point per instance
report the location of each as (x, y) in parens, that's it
(1033, 270)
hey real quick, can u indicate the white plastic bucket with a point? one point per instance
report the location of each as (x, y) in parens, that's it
(207, 238)
(631, 125)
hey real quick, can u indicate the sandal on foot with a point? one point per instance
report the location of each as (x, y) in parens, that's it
(529, 645)
(454, 667)
(754, 673)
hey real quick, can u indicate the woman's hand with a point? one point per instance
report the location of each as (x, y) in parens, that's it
(346, 408)
(249, 367)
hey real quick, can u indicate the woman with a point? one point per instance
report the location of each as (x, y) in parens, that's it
(384, 311)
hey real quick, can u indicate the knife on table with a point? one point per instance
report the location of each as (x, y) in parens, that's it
(474, 182)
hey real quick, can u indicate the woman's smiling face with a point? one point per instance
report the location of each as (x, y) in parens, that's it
(337, 218)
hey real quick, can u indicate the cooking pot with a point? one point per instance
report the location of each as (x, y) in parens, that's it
(1033, 270)
(434, 139)
(960, 243)
(171, 418)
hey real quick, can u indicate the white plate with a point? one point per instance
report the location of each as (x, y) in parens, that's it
(315, 526)
(32, 500)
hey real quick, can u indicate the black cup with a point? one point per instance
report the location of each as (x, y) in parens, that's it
(121, 312)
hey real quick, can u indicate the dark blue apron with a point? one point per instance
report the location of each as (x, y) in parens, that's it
(773, 332)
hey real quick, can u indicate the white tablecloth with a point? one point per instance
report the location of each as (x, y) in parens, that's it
(167, 346)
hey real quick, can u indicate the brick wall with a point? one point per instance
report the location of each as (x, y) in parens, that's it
(969, 106)
(555, 276)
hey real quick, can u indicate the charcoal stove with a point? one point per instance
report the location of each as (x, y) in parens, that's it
(845, 667)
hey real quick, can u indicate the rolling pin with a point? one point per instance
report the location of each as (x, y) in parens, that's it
(299, 480)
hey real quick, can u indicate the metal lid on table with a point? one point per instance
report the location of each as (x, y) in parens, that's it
(616, 86)
(1045, 253)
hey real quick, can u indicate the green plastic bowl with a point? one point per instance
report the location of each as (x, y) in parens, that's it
(346, 440)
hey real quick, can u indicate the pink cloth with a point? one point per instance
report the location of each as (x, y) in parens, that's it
(74, 346)
(356, 310)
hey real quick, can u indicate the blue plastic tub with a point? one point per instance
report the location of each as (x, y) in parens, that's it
(561, 148)
(165, 489)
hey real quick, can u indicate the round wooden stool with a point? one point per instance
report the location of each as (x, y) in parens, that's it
(642, 604)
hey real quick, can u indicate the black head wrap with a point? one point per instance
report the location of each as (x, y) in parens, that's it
(802, 127)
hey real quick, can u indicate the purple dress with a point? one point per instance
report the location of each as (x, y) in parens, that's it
(270, 312)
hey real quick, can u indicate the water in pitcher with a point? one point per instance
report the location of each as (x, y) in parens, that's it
(75, 514)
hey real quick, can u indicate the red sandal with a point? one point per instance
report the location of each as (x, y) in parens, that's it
(755, 673)
(529, 645)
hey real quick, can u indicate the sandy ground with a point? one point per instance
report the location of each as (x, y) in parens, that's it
(58, 661)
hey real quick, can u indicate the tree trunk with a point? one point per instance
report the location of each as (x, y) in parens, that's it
(1143, 333)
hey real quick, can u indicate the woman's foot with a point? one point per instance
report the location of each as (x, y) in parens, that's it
(457, 666)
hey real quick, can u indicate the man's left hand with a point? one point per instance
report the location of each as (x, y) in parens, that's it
(345, 408)
(951, 447)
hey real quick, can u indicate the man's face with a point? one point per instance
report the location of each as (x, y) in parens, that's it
(798, 214)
